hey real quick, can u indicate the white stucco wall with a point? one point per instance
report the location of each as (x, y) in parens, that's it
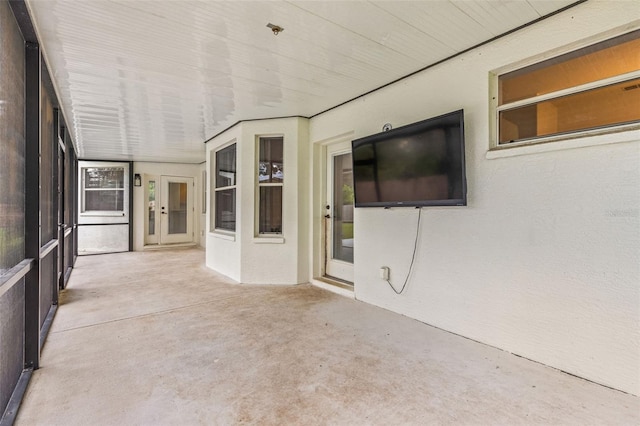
(243, 255)
(544, 262)
(223, 249)
(140, 205)
(285, 262)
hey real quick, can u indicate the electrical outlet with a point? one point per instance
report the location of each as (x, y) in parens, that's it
(384, 273)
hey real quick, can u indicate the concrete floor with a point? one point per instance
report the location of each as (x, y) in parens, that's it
(153, 338)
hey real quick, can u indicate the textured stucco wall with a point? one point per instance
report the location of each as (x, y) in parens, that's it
(544, 262)
(223, 251)
(244, 256)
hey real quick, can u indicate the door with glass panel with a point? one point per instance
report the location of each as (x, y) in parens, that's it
(338, 221)
(169, 210)
(176, 209)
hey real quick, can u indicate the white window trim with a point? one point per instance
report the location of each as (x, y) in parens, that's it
(222, 233)
(267, 237)
(605, 136)
(82, 213)
(494, 109)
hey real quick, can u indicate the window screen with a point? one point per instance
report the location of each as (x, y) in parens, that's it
(103, 189)
(12, 142)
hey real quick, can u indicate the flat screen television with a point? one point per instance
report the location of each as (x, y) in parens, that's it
(420, 164)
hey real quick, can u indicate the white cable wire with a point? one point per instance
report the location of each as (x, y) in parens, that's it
(413, 257)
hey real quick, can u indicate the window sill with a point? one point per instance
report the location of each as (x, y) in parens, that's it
(102, 214)
(582, 140)
(223, 235)
(268, 240)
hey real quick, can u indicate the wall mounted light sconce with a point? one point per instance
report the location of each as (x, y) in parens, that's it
(137, 180)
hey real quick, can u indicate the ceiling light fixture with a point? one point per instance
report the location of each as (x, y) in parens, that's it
(277, 29)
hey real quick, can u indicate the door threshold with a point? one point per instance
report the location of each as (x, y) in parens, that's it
(341, 287)
(168, 246)
(337, 281)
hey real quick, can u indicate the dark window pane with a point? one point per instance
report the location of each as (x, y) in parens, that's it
(226, 167)
(604, 106)
(177, 208)
(11, 145)
(104, 200)
(226, 209)
(103, 177)
(270, 210)
(271, 168)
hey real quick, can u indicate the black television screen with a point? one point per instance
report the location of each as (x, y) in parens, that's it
(421, 164)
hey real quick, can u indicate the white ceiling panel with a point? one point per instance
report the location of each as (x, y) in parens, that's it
(152, 80)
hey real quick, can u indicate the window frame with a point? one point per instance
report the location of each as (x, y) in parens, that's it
(268, 235)
(215, 189)
(494, 92)
(204, 192)
(124, 212)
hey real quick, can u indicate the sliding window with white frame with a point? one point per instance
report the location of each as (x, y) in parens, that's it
(595, 89)
(224, 192)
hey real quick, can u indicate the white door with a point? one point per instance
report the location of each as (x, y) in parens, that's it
(339, 213)
(170, 210)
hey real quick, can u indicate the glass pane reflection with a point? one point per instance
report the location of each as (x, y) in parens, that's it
(605, 106)
(270, 168)
(342, 217)
(152, 207)
(104, 200)
(270, 210)
(177, 208)
(226, 209)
